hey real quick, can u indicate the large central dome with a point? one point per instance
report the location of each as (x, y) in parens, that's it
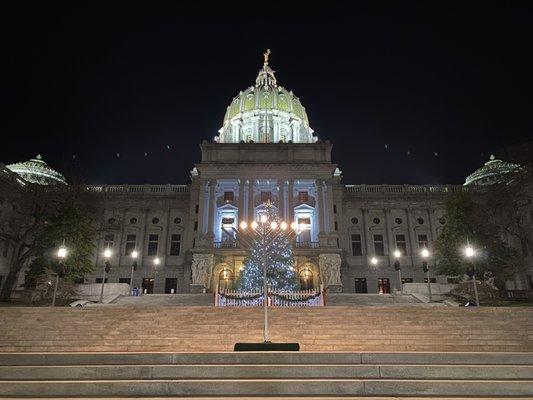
(265, 113)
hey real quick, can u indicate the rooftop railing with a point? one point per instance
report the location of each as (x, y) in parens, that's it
(406, 189)
(139, 189)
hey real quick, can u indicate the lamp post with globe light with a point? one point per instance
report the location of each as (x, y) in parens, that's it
(397, 255)
(266, 232)
(61, 254)
(470, 253)
(107, 267)
(425, 254)
(134, 255)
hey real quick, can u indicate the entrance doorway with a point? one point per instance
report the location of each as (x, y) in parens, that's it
(148, 285)
(360, 285)
(306, 279)
(383, 285)
(171, 285)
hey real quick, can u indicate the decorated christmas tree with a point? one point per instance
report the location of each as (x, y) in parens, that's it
(275, 250)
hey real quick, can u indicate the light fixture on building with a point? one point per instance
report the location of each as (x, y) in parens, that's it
(244, 225)
(283, 225)
(469, 251)
(108, 253)
(134, 254)
(424, 253)
(374, 261)
(263, 219)
(273, 225)
(157, 261)
(397, 253)
(254, 225)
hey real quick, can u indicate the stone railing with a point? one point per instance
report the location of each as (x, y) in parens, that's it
(405, 189)
(139, 189)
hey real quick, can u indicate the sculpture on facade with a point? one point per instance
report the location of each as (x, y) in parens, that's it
(202, 267)
(330, 269)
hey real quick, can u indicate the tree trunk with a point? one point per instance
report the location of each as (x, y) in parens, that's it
(11, 281)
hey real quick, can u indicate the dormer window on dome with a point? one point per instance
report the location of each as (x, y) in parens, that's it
(265, 113)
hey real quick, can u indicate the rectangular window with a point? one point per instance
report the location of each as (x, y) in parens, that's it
(124, 280)
(383, 285)
(266, 197)
(401, 244)
(407, 280)
(334, 208)
(109, 239)
(357, 249)
(304, 221)
(76, 280)
(228, 197)
(195, 225)
(431, 280)
(379, 248)
(99, 280)
(360, 285)
(152, 244)
(131, 243)
(175, 244)
(171, 285)
(423, 241)
(336, 225)
(196, 209)
(303, 197)
(228, 221)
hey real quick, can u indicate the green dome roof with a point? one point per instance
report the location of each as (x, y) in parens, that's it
(491, 172)
(266, 97)
(37, 171)
(265, 113)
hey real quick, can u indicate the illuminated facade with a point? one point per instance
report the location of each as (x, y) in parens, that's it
(266, 151)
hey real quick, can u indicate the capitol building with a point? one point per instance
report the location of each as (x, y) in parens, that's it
(266, 152)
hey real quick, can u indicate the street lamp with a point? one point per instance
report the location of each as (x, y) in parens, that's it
(397, 255)
(61, 254)
(374, 261)
(107, 267)
(470, 253)
(425, 254)
(265, 232)
(134, 255)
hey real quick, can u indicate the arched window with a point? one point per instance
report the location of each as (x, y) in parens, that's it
(225, 279)
(306, 279)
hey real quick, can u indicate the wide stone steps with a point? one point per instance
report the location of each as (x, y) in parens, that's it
(192, 329)
(236, 375)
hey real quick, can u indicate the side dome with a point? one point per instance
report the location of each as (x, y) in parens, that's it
(37, 171)
(266, 113)
(491, 172)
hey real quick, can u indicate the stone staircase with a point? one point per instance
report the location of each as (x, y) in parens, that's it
(274, 375)
(211, 329)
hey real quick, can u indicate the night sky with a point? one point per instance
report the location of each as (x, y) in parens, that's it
(448, 85)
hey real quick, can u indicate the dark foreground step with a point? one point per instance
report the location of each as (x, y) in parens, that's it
(258, 371)
(285, 387)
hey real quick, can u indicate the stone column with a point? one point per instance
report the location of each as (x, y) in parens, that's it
(391, 243)
(241, 202)
(201, 209)
(413, 245)
(290, 198)
(320, 206)
(329, 206)
(212, 206)
(250, 211)
(432, 225)
(366, 234)
(281, 199)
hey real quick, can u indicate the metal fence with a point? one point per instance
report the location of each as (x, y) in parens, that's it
(302, 298)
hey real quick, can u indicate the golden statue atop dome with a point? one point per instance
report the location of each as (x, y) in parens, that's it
(265, 55)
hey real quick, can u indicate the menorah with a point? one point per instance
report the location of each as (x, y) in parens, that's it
(263, 232)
